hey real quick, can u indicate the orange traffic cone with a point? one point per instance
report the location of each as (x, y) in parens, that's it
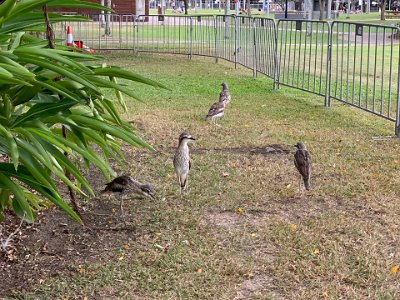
(70, 38)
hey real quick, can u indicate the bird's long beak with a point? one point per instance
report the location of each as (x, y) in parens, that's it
(192, 138)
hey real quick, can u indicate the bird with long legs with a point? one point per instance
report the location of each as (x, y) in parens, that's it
(182, 163)
(217, 110)
(303, 161)
(125, 184)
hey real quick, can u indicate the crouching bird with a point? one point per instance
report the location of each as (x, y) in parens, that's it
(182, 162)
(127, 184)
(302, 161)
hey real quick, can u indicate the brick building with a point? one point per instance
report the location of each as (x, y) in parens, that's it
(136, 7)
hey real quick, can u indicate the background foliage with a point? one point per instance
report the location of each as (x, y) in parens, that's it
(44, 92)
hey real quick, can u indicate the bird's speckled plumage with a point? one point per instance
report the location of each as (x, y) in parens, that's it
(182, 162)
(303, 161)
(225, 95)
(128, 184)
(217, 110)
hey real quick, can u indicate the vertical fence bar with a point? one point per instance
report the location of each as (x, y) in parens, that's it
(236, 53)
(397, 124)
(329, 66)
(254, 49)
(216, 38)
(190, 37)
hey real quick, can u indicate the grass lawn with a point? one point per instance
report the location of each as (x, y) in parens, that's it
(244, 231)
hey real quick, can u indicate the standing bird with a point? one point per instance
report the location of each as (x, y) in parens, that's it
(128, 184)
(225, 95)
(302, 161)
(182, 160)
(216, 111)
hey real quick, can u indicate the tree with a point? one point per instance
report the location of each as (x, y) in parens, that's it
(383, 8)
(321, 9)
(43, 90)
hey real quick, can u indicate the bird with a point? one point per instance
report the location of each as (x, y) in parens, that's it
(225, 95)
(302, 161)
(182, 162)
(216, 111)
(128, 184)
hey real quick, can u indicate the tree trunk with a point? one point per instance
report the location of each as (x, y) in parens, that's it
(227, 19)
(185, 2)
(101, 17)
(321, 9)
(108, 19)
(329, 12)
(383, 6)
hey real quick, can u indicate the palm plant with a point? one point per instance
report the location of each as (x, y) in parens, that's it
(45, 92)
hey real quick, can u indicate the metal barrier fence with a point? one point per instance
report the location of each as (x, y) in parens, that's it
(365, 67)
(357, 64)
(303, 49)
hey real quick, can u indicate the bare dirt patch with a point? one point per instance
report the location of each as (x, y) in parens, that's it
(268, 150)
(57, 245)
(253, 286)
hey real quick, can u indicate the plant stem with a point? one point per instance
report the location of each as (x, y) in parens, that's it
(52, 45)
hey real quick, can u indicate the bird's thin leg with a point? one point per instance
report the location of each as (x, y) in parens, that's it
(122, 211)
(300, 184)
(180, 185)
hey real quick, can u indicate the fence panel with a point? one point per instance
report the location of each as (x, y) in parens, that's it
(169, 34)
(245, 45)
(203, 35)
(365, 67)
(265, 40)
(354, 63)
(225, 37)
(303, 49)
(97, 35)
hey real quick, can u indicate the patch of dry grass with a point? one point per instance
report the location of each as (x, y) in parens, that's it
(244, 231)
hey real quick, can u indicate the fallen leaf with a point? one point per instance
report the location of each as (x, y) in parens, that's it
(113, 210)
(245, 225)
(85, 298)
(82, 270)
(225, 174)
(126, 247)
(109, 222)
(288, 186)
(240, 210)
(325, 294)
(316, 251)
(293, 227)
(120, 258)
(395, 269)
(199, 270)
(253, 234)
